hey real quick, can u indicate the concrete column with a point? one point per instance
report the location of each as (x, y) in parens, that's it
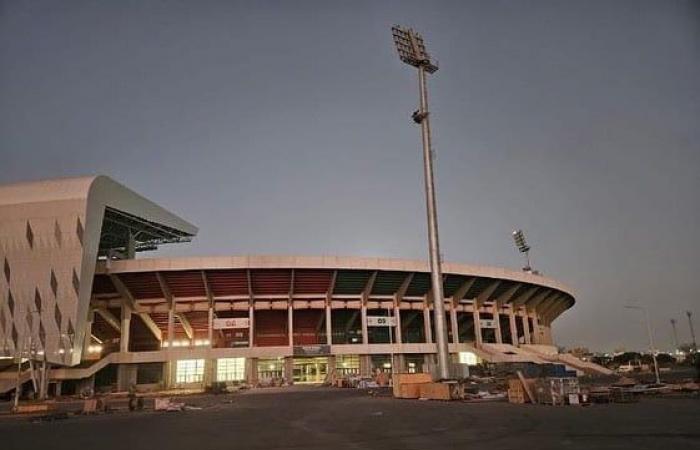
(125, 328)
(88, 332)
(399, 363)
(251, 367)
(363, 314)
(171, 326)
(251, 326)
(57, 390)
(497, 319)
(397, 330)
(477, 327)
(210, 328)
(365, 366)
(526, 328)
(290, 324)
(209, 372)
(455, 327)
(289, 369)
(536, 338)
(329, 326)
(513, 327)
(126, 376)
(331, 367)
(426, 325)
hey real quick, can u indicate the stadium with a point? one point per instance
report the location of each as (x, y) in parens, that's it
(78, 306)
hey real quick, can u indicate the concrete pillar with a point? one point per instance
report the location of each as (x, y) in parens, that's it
(426, 325)
(171, 326)
(289, 369)
(399, 363)
(126, 376)
(513, 327)
(57, 389)
(210, 328)
(125, 328)
(526, 328)
(397, 330)
(455, 327)
(477, 327)
(251, 326)
(365, 366)
(497, 319)
(536, 338)
(363, 319)
(290, 324)
(429, 365)
(331, 367)
(329, 326)
(88, 332)
(209, 372)
(251, 367)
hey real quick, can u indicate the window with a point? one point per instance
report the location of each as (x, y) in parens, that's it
(230, 369)
(189, 371)
(467, 358)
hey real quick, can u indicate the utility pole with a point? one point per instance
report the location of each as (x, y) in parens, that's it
(411, 49)
(692, 330)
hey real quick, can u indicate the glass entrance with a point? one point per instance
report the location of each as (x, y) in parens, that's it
(310, 370)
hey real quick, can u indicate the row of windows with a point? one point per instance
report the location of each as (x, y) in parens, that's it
(227, 369)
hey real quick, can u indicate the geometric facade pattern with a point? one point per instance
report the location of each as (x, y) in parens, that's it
(50, 234)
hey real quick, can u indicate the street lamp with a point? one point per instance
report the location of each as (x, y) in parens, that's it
(411, 49)
(651, 338)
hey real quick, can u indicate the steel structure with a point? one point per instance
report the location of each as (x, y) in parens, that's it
(411, 49)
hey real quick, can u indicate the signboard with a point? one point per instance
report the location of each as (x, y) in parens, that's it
(312, 350)
(234, 322)
(381, 321)
(488, 323)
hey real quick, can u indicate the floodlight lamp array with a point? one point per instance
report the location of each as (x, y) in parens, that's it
(519, 238)
(411, 48)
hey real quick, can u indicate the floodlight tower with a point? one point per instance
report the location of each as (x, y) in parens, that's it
(519, 238)
(692, 330)
(675, 335)
(411, 49)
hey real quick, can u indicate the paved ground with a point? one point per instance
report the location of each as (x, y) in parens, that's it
(320, 418)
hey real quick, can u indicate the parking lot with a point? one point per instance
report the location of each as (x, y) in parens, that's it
(322, 418)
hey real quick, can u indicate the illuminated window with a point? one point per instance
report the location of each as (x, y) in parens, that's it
(468, 358)
(189, 371)
(230, 369)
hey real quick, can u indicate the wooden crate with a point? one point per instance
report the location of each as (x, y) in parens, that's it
(409, 390)
(33, 408)
(440, 391)
(412, 380)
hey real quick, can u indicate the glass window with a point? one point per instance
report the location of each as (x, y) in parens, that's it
(230, 369)
(189, 371)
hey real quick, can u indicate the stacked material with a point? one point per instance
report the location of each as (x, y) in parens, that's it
(407, 385)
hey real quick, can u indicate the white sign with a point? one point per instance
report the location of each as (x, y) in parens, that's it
(381, 321)
(236, 322)
(488, 323)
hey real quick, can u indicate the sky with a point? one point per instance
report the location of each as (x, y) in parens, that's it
(284, 128)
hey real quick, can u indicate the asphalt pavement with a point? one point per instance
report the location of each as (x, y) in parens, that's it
(325, 418)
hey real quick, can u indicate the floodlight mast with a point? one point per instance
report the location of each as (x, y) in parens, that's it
(411, 49)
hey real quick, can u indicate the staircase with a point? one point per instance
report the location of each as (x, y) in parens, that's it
(568, 360)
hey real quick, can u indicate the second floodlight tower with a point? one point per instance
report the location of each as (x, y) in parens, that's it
(411, 50)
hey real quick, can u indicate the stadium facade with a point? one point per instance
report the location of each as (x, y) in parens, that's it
(74, 297)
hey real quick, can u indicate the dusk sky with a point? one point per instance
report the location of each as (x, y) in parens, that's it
(284, 128)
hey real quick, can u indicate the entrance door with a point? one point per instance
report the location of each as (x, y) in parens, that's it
(310, 370)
